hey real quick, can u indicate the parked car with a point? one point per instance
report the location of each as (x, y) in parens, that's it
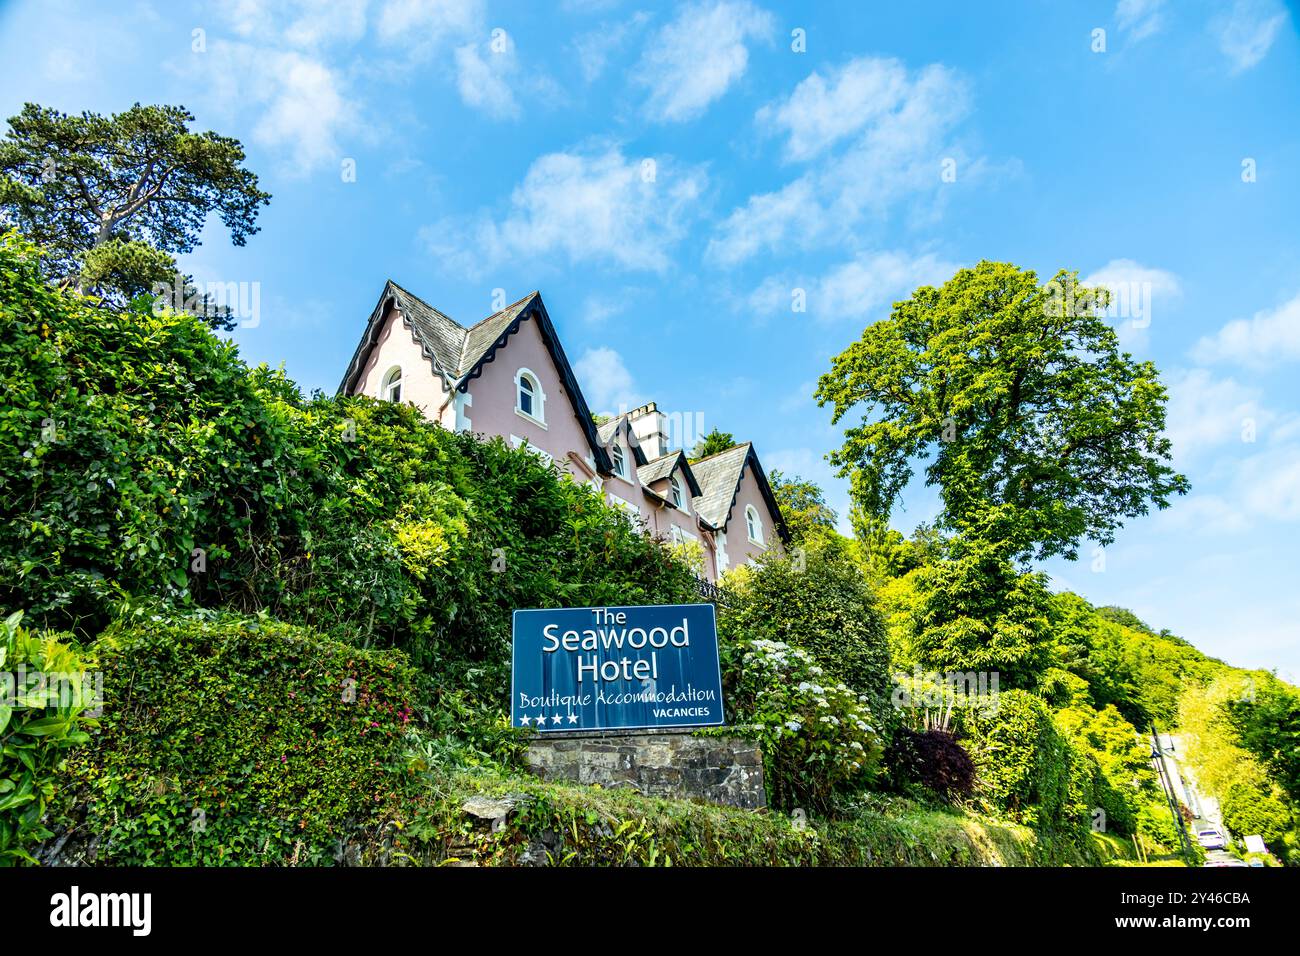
(1210, 839)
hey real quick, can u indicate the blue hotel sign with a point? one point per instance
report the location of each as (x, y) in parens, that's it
(616, 668)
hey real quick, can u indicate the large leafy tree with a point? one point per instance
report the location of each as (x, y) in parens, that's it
(1267, 723)
(112, 199)
(803, 505)
(1019, 401)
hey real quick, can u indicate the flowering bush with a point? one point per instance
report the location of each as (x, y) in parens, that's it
(818, 738)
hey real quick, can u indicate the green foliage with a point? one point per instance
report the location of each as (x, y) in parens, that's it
(1018, 401)
(1253, 810)
(816, 598)
(976, 611)
(803, 505)
(818, 738)
(566, 825)
(141, 458)
(712, 443)
(1023, 761)
(1267, 724)
(113, 198)
(46, 693)
(1111, 774)
(1125, 664)
(238, 741)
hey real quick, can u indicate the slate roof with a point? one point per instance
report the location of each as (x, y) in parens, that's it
(458, 354)
(663, 466)
(719, 477)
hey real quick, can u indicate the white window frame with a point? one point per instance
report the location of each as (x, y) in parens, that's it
(392, 378)
(752, 521)
(538, 415)
(619, 458)
(677, 494)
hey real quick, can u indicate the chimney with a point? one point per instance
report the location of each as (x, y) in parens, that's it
(650, 429)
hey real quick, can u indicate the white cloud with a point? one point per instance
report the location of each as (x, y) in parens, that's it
(595, 47)
(597, 309)
(864, 288)
(65, 66)
(894, 131)
(1270, 484)
(581, 206)
(1204, 514)
(1138, 294)
(1139, 19)
(482, 71)
(1246, 34)
(1271, 337)
(1261, 488)
(421, 25)
(305, 113)
(695, 59)
(301, 105)
(822, 111)
(606, 383)
(299, 23)
(1205, 412)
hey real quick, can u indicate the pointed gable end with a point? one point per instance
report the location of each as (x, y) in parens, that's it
(720, 476)
(457, 355)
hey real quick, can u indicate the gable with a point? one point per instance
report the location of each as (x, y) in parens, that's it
(457, 355)
(735, 478)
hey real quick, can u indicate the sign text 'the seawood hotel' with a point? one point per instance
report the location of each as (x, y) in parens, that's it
(616, 668)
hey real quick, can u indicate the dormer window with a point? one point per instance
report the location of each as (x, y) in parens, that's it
(392, 387)
(530, 400)
(620, 462)
(753, 524)
(678, 498)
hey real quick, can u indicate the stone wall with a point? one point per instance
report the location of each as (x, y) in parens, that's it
(725, 770)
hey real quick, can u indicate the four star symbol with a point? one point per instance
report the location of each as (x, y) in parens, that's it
(540, 719)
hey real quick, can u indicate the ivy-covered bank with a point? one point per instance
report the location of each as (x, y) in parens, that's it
(546, 824)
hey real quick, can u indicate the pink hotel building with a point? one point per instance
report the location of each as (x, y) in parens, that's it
(508, 376)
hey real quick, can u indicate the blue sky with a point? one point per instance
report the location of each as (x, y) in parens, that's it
(669, 175)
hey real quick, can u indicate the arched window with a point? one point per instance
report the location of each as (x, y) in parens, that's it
(620, 463)
(530, 400)
(392, 388)
(678, 499)
(754, 524)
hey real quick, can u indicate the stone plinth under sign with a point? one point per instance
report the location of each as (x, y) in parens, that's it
(723, 770)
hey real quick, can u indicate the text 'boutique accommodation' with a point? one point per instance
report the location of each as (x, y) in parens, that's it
(508, 376)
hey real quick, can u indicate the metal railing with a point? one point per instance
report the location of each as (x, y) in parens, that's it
(711, 592)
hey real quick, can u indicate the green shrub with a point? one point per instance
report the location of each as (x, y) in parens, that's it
(817, 737)
(1022, 760)
(238, 741)
(1249, 809)
(140, 458)
(816, 598)
(45, 694)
